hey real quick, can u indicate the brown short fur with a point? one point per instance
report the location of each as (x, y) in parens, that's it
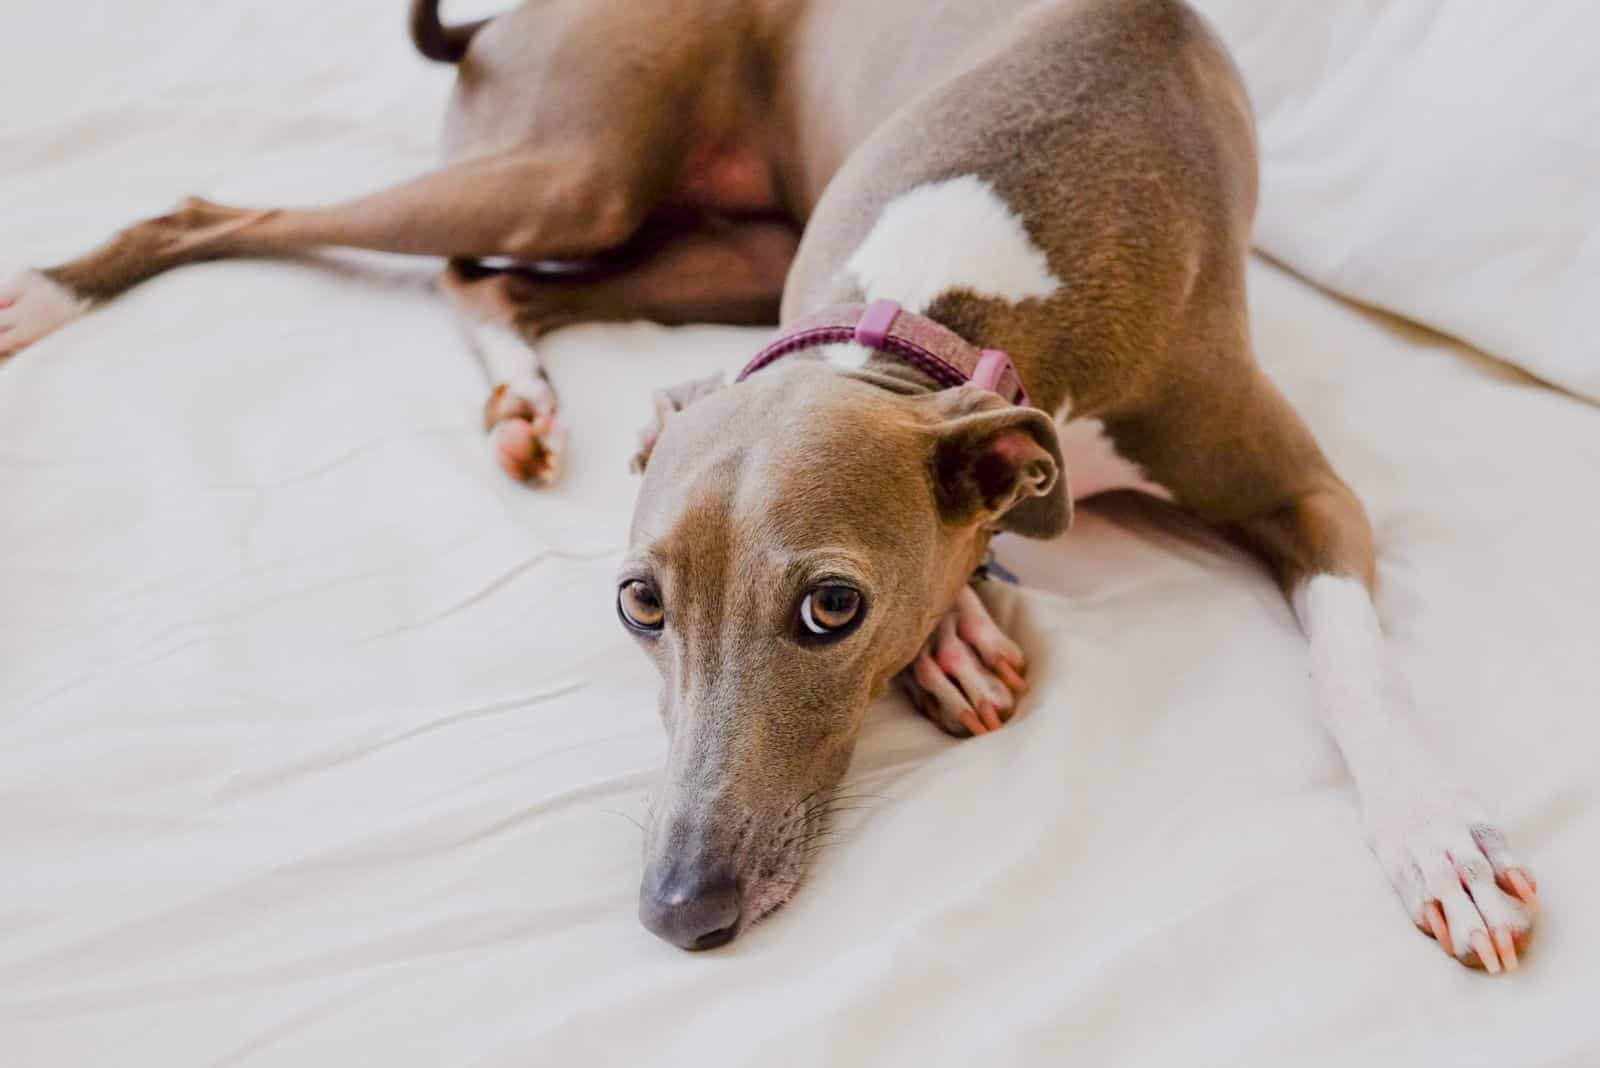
(686, 143)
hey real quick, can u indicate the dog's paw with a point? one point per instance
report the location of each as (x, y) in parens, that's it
(969, 676)
(1460, 884)
(31, 306)
(529, 441)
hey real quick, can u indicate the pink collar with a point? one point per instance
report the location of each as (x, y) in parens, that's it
(884, 326)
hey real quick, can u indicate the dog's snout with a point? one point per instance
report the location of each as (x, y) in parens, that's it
(693, 906)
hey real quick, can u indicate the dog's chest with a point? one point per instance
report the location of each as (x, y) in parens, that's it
(1093, 463)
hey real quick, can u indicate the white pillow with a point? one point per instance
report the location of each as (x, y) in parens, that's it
(1437, 158)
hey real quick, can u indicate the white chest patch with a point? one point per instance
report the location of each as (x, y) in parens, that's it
(1093, 463)
(954, 234)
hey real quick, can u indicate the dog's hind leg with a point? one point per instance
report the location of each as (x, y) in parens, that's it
(524, 205)
(561, 151)
(528, 183)
(679, 270)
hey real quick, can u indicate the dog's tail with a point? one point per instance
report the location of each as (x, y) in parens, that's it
(441, 43)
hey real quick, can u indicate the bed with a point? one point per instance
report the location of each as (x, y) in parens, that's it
(320, 743)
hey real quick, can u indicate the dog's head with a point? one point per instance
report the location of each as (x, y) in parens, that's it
(796, 538)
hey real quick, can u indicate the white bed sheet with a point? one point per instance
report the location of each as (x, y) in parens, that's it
(319, 740)
(1437, 159)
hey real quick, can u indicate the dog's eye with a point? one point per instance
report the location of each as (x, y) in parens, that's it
(830, 609)
(639, 606)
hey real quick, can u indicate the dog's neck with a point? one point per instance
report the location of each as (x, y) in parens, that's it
(908, 351)
(896, 376)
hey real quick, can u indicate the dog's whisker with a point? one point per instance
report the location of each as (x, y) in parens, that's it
(630, 819)
(818, 833)
(851, 805)
(851, 795)
(845, 809)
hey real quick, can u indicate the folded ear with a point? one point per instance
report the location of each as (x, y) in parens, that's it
(670, 402)
(999, 465)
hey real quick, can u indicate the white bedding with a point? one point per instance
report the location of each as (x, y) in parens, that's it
(319, 741)
(1437, 158)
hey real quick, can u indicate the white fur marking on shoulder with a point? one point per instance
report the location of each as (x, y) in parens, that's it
(954, 234)
(1093, 463)
(511, 362)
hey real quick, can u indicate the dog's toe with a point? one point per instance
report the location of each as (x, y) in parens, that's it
(529, 440)
(530, 450)
(31, 306)
(1463, 888)
(977, 628)
(966, 686)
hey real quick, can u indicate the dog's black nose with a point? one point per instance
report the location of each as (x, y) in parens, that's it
(690, 906)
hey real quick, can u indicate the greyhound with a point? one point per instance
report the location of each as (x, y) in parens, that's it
(1007, 246)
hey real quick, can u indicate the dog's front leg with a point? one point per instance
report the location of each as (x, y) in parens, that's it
(1451, 867)
(681, 270)
(969, 676)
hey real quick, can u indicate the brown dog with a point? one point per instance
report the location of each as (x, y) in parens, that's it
(1071, 184)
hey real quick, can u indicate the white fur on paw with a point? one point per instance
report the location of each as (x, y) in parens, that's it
(31, 306)
(521, 414)
(530, 444)
(968, 677)
(1460, 865)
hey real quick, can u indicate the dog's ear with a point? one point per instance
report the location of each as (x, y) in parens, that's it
(670, 402)
(998, 464)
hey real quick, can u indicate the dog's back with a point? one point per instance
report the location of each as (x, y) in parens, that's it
(1120, 135)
